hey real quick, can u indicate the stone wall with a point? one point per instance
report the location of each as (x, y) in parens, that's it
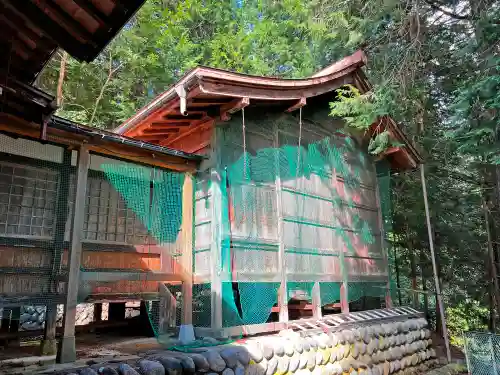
(397, 347)
(32, 318)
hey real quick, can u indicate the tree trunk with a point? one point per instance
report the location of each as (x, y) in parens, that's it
(424, 284)
(60, 81)
(398, 281)
(413, 270)
(494, 290)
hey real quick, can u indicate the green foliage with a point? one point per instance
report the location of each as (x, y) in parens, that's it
(379, 143)
(464, 317)
(358, 110)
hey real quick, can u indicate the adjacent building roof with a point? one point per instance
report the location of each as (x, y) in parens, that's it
(33, 29)
(31, 32)
(182, 116)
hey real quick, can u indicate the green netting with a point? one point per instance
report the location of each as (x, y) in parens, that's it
(300, 290)
(329, 292)
(155, 198)
(384, 188)
(358, 290)
(266, 293)
(327, 184)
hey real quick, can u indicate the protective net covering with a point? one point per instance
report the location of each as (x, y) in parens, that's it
(35, 232)
(295, 204)
(286, 211)
(482, 351)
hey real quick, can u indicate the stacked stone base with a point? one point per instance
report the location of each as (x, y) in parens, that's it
(399, 347)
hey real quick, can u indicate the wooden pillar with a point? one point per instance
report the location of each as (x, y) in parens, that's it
(344, 298)
(215, 250)
(439, 298)
(116, 311)
(413, 269)
(5, 324)
(187, 249)
(283, 289)
(316, 300)
(14, 324)
(97, 312)
(67, 349)
(168, 309)
(383, 244)
(218, 182)
(10, 322)
(48, 346)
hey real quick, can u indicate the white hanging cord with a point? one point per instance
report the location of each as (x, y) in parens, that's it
(244, 145)
(300, 140)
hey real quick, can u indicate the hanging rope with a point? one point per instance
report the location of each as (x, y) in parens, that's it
(300, 141)
(244, 144)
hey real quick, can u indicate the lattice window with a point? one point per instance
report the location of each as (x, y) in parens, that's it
(107, 217)
(27, 200)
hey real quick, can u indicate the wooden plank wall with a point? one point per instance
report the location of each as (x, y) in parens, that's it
(311, 219)
(26, 260)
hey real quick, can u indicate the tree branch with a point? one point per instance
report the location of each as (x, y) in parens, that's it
(435, 6)
(111, 71)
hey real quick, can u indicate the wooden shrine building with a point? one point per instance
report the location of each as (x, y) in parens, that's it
(286, 203)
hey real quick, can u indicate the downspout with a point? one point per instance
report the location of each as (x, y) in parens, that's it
(181, 91)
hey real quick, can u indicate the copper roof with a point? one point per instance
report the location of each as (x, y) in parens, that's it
(222, 85)
(182, 117)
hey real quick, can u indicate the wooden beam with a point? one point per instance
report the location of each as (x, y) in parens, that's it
(187, 249)
(11, 30)
(104, 276)
(384, 244)
(148, 137)
(283, 290)
(344, 272)
(168, 309)
(180, 120)
(171, 124)
(93, 11)
(316, 300)
(16, 22)
(205, 102)
(12, 124)
(189, 130)
(218, 182)
(67, 350)
(16, 46)
(299, 104)
(59, 16)
(29, 11)
(48, 345)
(160, 131)
(344, 299)
(232, 107)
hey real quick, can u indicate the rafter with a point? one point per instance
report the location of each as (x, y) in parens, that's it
(25, 31)
(298, 104)
(93, 11)
(189, 130)
(28, 10)
(232, 107)
(149, 138)
(169, 121)
(152, 131)
(59, 15)
(205, 102)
